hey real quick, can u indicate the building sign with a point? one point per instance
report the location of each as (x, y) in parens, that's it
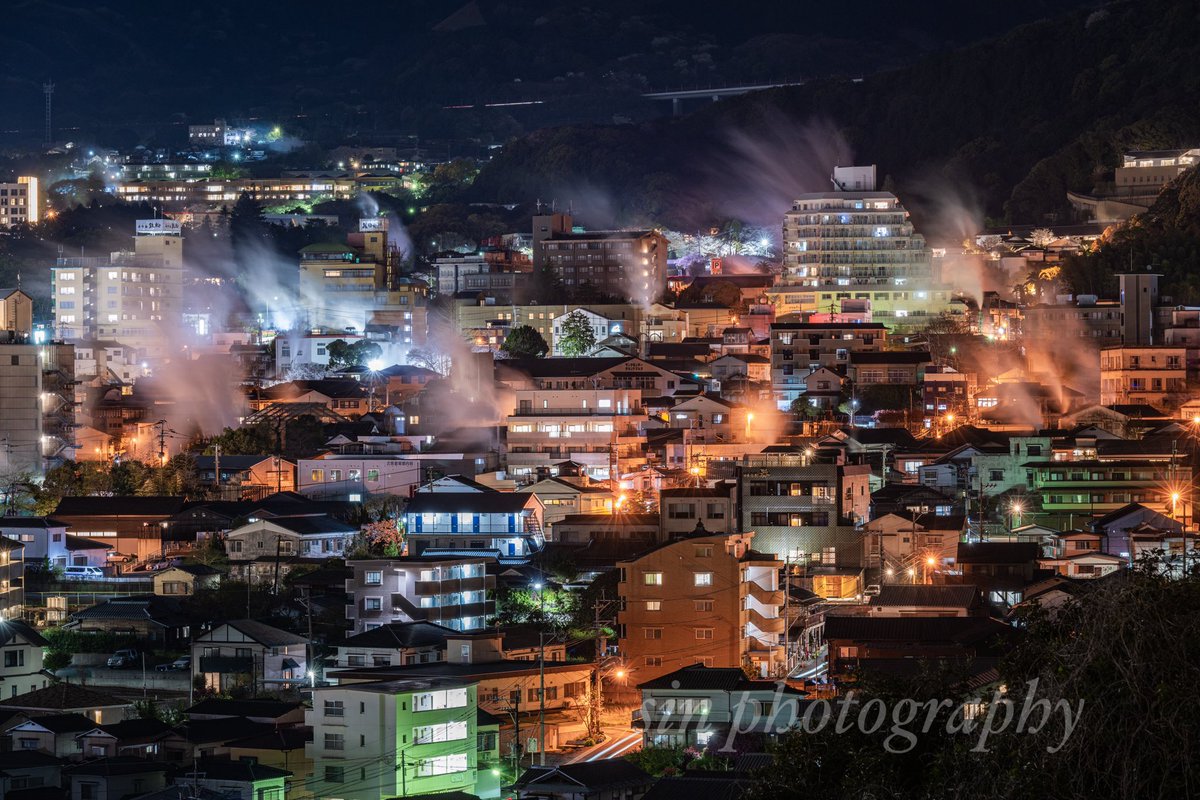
(369, 224)
(145, 227)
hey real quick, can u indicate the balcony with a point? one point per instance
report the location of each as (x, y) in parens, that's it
(765, 624)
(765, 596)
(523, 411)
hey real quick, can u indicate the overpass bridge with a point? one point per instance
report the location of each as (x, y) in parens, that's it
(715, 93)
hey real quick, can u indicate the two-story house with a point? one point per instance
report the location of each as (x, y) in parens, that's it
(501, 525)
(249, 653)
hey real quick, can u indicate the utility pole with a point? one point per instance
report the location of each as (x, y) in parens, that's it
(217, 467)
(542, 676)
(162, 441)
(278, 550)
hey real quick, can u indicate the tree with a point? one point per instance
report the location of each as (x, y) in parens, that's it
(577, 337)
(250, 440)
(525, 342)
(359, 354)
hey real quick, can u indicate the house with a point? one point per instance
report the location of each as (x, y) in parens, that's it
(601, 539)
(877, 642)
(823, 388)
(115, 778)
(424, 729)
(1117, 528)
(394, 644)
(454, 592)
(143, 738)
(246, 477)
(150, 618)
(249, 653)
(902, 541)
(699, 706)
(284, 749)
(50, 733)
(680, 510)
(22, 770)
(561, 497)
(134, 526)
(501, 525)
(925, 600)
(256, 548)
(277, 713)
(609, 778)
(1001, 570)
(706, 599)
(353, 477)
(65, 698)
(185, 579)
(21, 648)
(46, 540)
(238, 780)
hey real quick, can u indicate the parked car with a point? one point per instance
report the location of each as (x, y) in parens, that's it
(179, 664)
(123, 659)
(82, 573)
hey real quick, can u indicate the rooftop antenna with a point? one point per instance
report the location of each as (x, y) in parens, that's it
(48, 91)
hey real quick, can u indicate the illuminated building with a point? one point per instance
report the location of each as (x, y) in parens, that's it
(421, 738)
(628, 264)
(20, 202)
(1153, 376)
(710, 600)
(805, 508)
(856, 243)
(585, 410)
(502, 525)
(799, 348)
(135, 298)
(476, 317)
(348, 286)
(447, 591)
(1136, 184)
(214, 192)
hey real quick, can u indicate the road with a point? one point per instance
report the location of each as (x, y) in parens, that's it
(159, 683)
(620, 741)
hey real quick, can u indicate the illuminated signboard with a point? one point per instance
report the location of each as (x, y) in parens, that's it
(145, 227)
(372, 224)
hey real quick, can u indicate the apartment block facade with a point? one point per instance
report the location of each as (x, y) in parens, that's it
(709, 600)
(393, 738)
(806, 510)
(453, 592)
(1149, 375)
(135, 298)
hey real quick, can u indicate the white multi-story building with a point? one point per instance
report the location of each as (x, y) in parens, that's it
(135, 298)
(19, 202)
(448, 591)
(856, 243)
(355, 477)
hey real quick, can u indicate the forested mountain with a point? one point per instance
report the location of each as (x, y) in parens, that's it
(1002, 128)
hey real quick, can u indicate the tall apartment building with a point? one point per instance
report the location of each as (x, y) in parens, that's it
(629, 264)
(135, 298)
(358, 283)
(1153, 376)
(805, 508)
(20, 202)
(710, 600)
(856, 243)
(448, 591)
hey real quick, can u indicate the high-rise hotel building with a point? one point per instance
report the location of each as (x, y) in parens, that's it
(856, 243)
(134, 298)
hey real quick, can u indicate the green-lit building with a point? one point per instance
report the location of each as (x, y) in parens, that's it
(396, 738)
